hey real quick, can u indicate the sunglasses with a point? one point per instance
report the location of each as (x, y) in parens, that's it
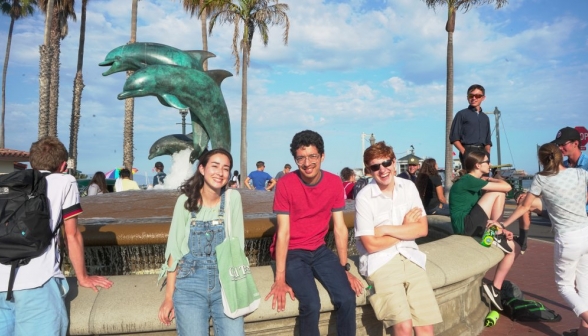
(376, 167)
(487, 161)
(477, 96)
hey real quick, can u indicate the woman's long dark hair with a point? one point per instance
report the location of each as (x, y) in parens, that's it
(550, 158)
(100, 180)
(428, 168)
(193, 185)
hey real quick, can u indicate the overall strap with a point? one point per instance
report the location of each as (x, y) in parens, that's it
(221, 211)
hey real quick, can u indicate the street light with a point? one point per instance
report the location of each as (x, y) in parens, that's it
(372, 142)
(184, 113)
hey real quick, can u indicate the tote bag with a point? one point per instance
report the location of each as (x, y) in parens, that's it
(239, 293)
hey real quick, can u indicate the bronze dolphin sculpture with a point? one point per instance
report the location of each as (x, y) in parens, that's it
(183, 88)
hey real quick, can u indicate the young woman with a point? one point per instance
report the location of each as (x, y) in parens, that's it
(98, 184)
(563, 192)
(430, 189)
(193, 293)
(475, 199)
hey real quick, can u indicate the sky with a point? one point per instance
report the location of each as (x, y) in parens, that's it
(350, 67)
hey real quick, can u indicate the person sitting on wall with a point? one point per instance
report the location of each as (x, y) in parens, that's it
(125, 183)
(430, 189)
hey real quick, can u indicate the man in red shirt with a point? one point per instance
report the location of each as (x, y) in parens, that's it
(304, 202)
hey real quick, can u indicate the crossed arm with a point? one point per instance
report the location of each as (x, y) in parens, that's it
(414, 226)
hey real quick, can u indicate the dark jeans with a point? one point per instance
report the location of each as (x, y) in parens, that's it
(302, 267)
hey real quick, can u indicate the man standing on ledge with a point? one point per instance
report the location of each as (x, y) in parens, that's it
(305, 201)
(470, 129)
(259, 177)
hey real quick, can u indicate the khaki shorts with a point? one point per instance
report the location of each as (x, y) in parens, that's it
(402, 291)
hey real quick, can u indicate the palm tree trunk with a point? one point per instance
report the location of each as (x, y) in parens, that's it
(45, 52)
(54, 77)
(243, 165)
(4, 71)
(130, 103)
(204, 36)
(449, 116)
(78, 87)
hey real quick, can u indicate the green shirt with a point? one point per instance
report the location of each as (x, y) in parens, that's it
(179, 231)
(464, 194)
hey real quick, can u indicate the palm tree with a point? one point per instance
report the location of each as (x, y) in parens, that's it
(78, 86)
(45, 51)
(16, 9)
(62, 11)
(254, 14)
(452, 7)
(130, 102)
(194, 7)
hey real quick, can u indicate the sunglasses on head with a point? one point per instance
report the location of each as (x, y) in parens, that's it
(376, 167)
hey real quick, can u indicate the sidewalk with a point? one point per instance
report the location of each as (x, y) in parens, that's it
(533, 273)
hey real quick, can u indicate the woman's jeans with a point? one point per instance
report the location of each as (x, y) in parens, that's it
(197, 296)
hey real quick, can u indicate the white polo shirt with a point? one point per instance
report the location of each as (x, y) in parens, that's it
(64, 199)
(372, 209)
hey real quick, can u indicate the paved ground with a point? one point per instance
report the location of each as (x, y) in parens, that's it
(533, 273)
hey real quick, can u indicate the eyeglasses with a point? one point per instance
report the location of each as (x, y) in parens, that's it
(487, 161)
(564, 144)
(477, 96)
(312, 158)
(209, 237)
(376, 167)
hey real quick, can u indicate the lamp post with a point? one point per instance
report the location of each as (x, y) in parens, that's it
(184, 113)
(497, 117)
(372, 141)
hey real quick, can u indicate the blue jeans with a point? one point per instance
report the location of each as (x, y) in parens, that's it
(197, 296)
(36, 311)
(443, 211)
(302, 267)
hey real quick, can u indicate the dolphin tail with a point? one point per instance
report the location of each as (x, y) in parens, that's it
(200, 55)
(218, 75)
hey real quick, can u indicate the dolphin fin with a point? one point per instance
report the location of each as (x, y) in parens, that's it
(173, 101)
(163, 102)
(218, 75)
(200, 55)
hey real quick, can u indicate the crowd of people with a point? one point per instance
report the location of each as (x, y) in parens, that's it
(390, 214)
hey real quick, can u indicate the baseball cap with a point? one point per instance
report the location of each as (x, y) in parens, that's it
(413, 161)
(566, 134)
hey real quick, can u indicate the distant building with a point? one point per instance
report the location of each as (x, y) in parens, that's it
(10, 160)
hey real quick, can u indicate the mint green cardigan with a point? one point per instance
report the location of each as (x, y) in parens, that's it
(179, 231)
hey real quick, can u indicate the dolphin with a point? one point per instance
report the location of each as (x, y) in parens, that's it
(185, 88)
(135, 56)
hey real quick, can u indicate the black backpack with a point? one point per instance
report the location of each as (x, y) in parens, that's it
(529, 311)
(25, 230)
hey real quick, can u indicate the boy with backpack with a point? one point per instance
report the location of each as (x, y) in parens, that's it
(35, 303)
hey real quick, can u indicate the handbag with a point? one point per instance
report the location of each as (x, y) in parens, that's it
(239, 292)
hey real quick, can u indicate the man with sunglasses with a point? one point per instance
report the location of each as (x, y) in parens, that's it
(470, 129)
(305, 201)
(389, 216)
(568, 140)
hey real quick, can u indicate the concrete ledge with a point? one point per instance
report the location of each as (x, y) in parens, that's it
(455, 266)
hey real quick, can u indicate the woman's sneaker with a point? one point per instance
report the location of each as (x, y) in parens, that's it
(522, 243)
(494, 295)
(502, 243)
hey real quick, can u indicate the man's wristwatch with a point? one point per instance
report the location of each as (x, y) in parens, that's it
(346, 267)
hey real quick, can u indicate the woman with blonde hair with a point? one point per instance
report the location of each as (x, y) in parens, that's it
(563, 191)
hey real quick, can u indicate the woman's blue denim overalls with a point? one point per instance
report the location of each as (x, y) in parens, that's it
(197, 295)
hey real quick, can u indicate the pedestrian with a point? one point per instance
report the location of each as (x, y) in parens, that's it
(97, 184)
(259, 177)
(159, 177)
(430, 188)
(563, 191)
(348, 177)
(193, 293)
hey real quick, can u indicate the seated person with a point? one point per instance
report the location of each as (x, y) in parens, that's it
(390, 259)
(430, 189)
(348, 177)
(473, 201)
(124, 183)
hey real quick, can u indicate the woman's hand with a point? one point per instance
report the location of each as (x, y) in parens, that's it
(167, 312)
